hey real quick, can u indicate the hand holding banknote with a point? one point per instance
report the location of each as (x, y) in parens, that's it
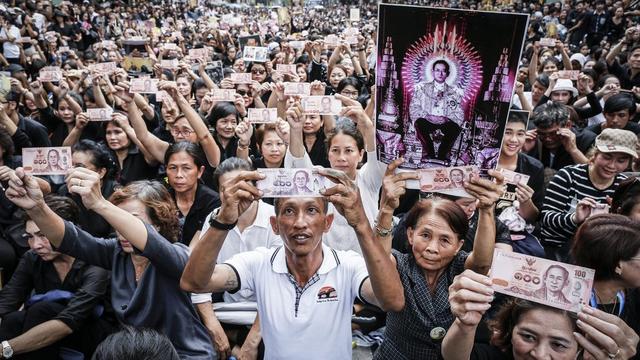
(345, 196)
(24, 190)
(470, 296)
(486, 191)
(605, 336)
(395, 185)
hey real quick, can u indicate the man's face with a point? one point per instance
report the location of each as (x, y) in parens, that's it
(300, 180)
(38, 242)
(537, 90)
(555, 280)
(300, 222)
(634, 60)
(549, 137)
(440, 73)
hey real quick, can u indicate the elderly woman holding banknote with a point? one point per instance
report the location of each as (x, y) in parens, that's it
(436, 229)
(526, 330)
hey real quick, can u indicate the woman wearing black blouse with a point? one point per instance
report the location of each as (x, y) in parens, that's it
(184, 162)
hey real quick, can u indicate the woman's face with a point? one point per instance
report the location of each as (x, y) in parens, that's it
(84, 160)
(183, 173)
(543, 334)
(337, 74)
(113, 56)
(514, 138)
(245, 92)
(608, 165)
(634, 214)
(226, 126)
(272, 148)
(169, 112)
(65, 113)
(549, 68)
(181, 130)
(30, 104)
(238, 65)
(584, 50)
(433, 242)
(116, 138)
(138, 209)
(589, 65)
(457, 176)
(184, 87)
(312, 124)
(200, 93)
(350, 91)
(302, 73)
(344, 154)
(258, 73)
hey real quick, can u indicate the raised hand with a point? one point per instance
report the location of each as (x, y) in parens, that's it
(606, 336)
(24, 190)
(244, 131)
(486, 191)
(395, 185)
(85, 183)
(470, 296)
(345, 196)
(237, 194)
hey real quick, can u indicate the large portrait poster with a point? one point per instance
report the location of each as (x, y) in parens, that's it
(444, 83)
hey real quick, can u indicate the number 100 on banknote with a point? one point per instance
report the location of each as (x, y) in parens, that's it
(552, 283)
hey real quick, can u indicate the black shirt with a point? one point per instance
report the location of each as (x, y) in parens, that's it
(88, 283)
(91, 222)
(205, 201)
(631, 126)
(37, 132)
(134, 167)
(562, 158)
(318, 152)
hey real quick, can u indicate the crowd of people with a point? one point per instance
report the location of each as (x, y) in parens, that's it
(156, 243)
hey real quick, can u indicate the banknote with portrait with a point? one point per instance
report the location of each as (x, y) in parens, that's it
(515, 178)
(291, 183)
(548, 282)
(321, 105)
(446, 178)
(50, 74)
(46, 160)
(241, 78)
(144, 86)
(224, 95)
(99, 114)
(263, 115)
(297, 88)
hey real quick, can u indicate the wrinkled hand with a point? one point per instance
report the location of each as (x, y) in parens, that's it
(345, 196)
(470, 296)
(6, 173)
(24, 190)
(239, 103)
(237, 194)
(394, 185)
(283, 130)
(220, 340)
(86, 184)
(295, 117)
(486, 191)
(605, 334)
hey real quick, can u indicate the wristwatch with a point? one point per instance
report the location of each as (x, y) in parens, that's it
(7, 351)
(214, 223)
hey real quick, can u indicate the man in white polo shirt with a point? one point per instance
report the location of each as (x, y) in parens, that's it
(304, 289)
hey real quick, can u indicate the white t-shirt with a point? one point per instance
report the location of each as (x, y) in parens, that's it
(258, 234)
(315, 323)
(10, 50)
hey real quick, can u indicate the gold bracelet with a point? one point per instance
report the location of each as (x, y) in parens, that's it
(383, 232)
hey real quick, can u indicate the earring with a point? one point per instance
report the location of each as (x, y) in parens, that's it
(619, 271)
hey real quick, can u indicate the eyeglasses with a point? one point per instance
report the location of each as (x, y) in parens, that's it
(183, 132)
(258, 71)
(352, 94)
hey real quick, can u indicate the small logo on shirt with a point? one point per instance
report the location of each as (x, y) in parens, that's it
(327, 294)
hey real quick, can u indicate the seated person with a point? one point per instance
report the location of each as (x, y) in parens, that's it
(304, 289)
(69, 297)
(554, 142)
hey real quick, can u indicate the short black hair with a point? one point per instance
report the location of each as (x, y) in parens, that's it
(62, 206)
(550, 114)
(446, 65)
(132, 343)
(619, 102)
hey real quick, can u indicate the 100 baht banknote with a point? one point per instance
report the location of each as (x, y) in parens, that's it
(46, 160)
(291, 183)
(548, 282)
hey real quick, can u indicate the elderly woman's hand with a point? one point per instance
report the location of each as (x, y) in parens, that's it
(395, 185)
(486, 191)
(85, 183)
(606, 336)
(470, 295)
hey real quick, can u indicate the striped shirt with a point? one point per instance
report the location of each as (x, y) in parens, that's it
(570, 185)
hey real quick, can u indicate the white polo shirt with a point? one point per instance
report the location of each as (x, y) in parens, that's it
(258, 234)
(313, 322)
